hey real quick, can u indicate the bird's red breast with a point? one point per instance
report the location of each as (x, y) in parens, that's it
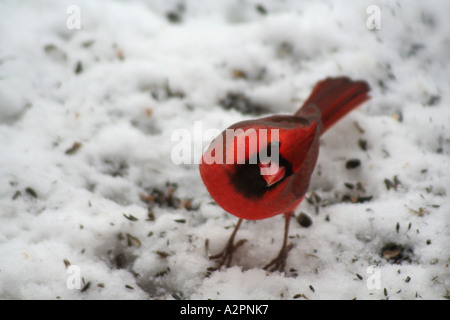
(232, 168)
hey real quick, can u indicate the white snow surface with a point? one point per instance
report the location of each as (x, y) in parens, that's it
(138, 70)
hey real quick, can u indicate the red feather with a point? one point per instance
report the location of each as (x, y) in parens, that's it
(241, 189)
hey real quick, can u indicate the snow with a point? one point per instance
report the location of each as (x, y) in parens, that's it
(137, 71)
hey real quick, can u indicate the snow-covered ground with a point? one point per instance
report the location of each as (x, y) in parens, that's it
(93, 207)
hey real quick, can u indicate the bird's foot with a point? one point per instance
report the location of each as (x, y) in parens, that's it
(224, 258)
(279, 262)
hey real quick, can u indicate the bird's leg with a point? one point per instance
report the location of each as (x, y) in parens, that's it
(279, 263)
(224, 258)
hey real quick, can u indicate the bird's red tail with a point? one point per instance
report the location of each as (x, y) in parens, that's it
(335, 97)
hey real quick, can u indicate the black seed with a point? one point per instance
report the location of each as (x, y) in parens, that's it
(408, 279)
(397, 227)
(162, 254)
(176, 296)
(361, 130)
(310, 200)
(31, 192)
(363, 199)
(173, 17)
(312, 288)
(304, 220)
(261, 9)
(349, 185)
(78, 67)
(150, 216)
(66, 263)
(16, 195)
(162, 273)
(359, 276)
(88, 43)
(362, 144)
(55, 53)
(86, 287)
(360, 187)
(382, 85)
(352, 163)
(398, 115)
(317, 198)
(388, 183)
(346, 198)
(121, 261)
(434, 100)
(133, 241)
(130, 217)
(428, 242)
(74, 148)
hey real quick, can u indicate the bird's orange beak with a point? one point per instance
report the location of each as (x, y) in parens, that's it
(272, 172)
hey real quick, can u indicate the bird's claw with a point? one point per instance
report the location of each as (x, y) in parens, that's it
(224, 258)
(279, 262)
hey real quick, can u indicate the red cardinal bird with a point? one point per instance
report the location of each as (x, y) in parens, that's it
(271, 176)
